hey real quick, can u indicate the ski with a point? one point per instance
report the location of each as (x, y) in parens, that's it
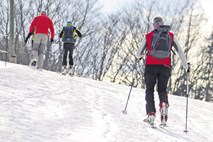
(65, 74)
(67, 71)
(154, 126)
(163, 125)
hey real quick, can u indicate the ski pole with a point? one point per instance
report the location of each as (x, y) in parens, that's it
(187, 96)
(124, 111)
(133, 80)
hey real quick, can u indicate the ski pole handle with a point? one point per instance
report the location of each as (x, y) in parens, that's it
(187, 79)
(189, 68)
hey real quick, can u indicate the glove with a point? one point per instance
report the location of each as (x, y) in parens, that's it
(141, 58)
(188, 70)
(26, 40)
(51, 40)
(28, 36)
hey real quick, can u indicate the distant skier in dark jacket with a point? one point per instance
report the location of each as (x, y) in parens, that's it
(69, 34)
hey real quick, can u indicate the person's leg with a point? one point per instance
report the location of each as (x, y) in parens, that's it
(150, 81)
(65, 47)
(163, 79)
(71, 48)
(41, 50)
(35, 48)
(70, 68)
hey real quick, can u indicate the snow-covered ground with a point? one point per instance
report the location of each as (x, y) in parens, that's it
(43, 106)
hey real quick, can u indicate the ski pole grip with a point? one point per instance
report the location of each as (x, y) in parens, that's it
(188, 70)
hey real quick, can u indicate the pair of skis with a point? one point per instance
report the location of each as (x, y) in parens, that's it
(70, 74)
(68, 71)
(154, 126)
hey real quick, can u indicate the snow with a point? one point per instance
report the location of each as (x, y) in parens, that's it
(43, 106)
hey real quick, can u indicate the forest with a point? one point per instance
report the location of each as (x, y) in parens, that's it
(107, 50)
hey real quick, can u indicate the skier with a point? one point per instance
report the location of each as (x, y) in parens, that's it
(69, 34)
(158, 71)
(41, 25)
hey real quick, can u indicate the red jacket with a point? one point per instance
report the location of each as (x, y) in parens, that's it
(42, 24)
(150, 60)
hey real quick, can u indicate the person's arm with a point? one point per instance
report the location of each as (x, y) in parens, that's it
(142, 48)
(28, 36)
(32, 25)
(52, 30)
(61, 33)
(78, 32)
(180, 53)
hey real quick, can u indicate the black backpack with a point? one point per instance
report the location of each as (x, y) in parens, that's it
(69, 35)
(161, 42)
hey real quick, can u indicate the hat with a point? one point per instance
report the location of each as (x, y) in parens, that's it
(157, 21)
(69, 23)
(43, 12)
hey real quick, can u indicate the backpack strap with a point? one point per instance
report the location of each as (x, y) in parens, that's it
(156, 38)
(173, 51)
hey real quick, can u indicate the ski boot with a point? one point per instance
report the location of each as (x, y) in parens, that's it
(164, 113)
(64, 70)
(150, 119)
(71, 70)
(33, 64)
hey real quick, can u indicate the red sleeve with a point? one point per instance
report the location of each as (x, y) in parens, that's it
(52, 29)
(32, 26)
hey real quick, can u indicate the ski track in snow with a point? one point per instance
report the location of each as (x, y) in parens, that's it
(43, 106)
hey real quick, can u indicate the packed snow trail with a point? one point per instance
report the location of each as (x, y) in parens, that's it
(43, 106)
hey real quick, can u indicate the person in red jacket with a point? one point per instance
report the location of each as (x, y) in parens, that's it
(41, 26)
(158, 71)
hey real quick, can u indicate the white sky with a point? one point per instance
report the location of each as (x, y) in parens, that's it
(110, 6)
(44, 106)
(207, 5)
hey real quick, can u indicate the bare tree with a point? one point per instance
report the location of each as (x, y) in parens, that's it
(4, 28)
(203, 76)
(194, 21)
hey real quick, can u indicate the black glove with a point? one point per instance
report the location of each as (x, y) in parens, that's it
(188, 70)
(26, 40)
(28, 36)
(51, 40)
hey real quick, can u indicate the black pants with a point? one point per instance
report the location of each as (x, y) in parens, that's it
(156, 74)
(68, 47)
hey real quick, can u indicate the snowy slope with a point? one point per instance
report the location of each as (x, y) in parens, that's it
(43, 106)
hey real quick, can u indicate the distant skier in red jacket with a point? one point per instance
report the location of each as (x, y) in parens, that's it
(41, 25)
